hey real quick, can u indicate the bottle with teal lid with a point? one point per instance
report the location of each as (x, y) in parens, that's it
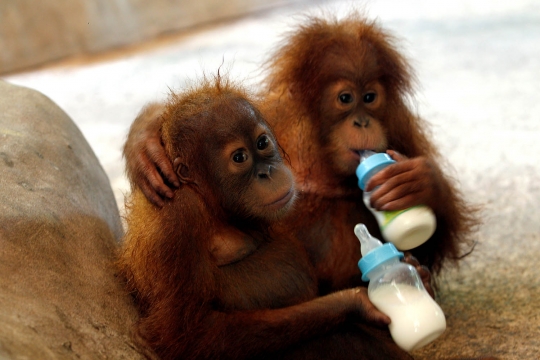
(406, 229)
(396, 289)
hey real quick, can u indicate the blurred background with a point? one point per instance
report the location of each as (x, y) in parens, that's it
(478, 69)
(102, 60)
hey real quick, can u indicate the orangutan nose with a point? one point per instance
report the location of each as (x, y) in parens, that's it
(265, 172)
(362, 122)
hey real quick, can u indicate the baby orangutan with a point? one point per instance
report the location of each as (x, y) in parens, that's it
(211, 276)
(336, 87)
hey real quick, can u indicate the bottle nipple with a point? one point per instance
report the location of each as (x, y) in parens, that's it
(364, 154)
(367, 242)
(374, 253)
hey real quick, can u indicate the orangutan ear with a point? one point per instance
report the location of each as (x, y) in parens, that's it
(182, 170)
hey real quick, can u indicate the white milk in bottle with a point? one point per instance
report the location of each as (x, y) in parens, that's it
(396, 289)
(417, 320)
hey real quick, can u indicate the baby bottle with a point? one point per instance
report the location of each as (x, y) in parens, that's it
(407, 228)
(395, 288)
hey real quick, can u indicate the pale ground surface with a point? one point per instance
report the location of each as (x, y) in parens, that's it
(478, 65)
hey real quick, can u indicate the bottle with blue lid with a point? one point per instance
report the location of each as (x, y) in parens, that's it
(406, 229)
(396, 289)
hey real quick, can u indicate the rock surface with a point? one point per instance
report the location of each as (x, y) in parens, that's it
(59, 228)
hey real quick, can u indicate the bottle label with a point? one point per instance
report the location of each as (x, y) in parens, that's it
(384, 218)
(388, 216)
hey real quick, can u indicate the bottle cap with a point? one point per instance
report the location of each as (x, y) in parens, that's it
(370, 166)
(376, 257)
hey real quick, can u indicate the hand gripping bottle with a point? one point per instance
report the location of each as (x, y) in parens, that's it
(395, 288)
(407, 228)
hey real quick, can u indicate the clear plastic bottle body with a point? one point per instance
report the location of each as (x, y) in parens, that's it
(396, 289)
(406, 229)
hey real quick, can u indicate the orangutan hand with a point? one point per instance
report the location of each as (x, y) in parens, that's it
(407, 183)
(147, 164)
(423, 271)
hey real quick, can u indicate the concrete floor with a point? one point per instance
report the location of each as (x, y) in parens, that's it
(478, 65)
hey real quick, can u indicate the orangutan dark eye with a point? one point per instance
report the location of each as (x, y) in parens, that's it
(240, 157)
(346, 98)
(369, 97)
(263, 142)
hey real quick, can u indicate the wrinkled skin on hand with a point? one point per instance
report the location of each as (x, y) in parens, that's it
(409, 182)
(364, 308)
(146, 162)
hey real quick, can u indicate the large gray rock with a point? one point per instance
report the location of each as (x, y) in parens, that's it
(59, 228)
